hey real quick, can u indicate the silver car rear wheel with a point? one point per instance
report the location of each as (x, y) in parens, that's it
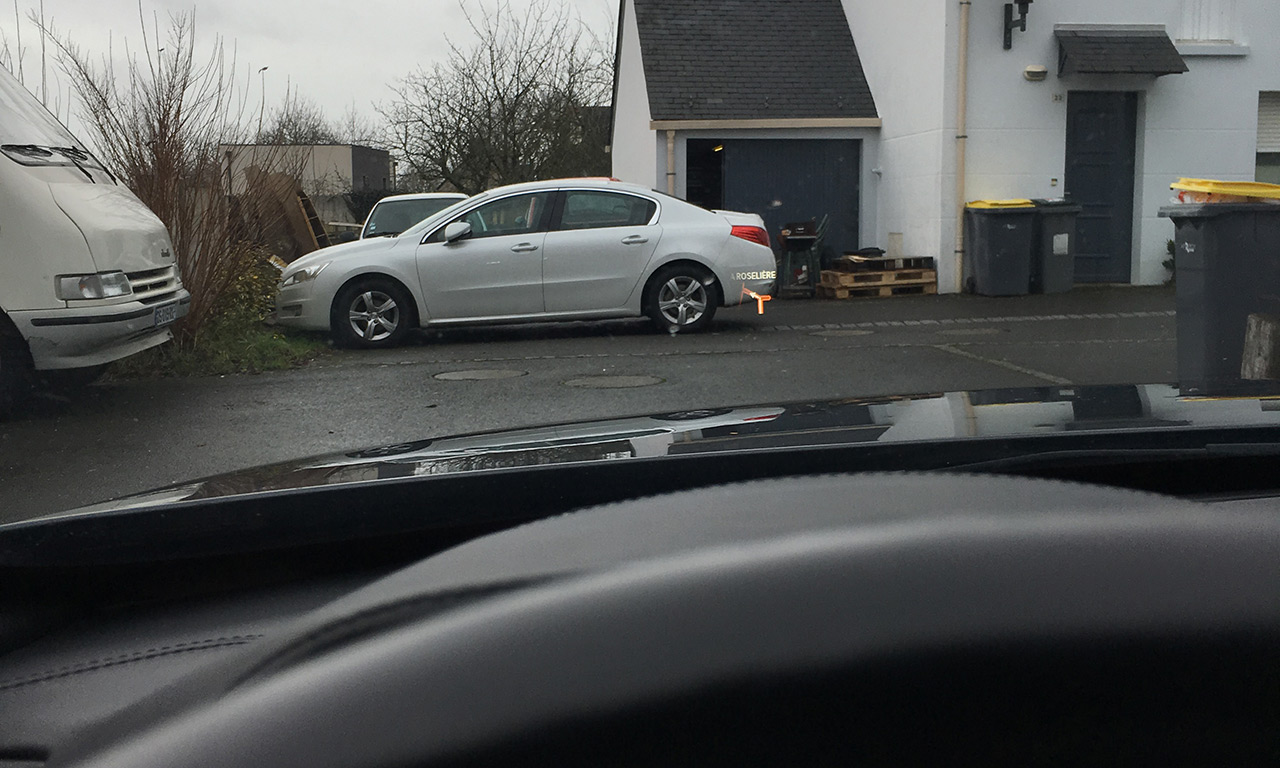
(682, 299)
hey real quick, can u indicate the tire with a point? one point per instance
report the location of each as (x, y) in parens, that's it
(71, 379)
(681, 298)
(372, 313)
(15, 369)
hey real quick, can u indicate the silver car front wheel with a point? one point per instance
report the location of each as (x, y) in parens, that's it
(372, 313)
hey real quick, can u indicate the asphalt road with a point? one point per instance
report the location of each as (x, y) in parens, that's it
(120, 437)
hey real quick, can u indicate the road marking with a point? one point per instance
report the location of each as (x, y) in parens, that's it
(977, 320)
(1003, 364)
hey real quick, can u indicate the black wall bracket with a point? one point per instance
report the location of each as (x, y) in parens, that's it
(1010, 23)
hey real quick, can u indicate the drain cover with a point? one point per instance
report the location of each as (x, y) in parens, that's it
(613, 382)
(480, 374)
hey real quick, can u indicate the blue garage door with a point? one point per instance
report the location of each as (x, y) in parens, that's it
(789, 180)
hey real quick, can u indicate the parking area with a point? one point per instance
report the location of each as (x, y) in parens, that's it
(120, 437)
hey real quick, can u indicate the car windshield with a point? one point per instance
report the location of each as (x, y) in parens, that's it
(391, 217)
(737, 208)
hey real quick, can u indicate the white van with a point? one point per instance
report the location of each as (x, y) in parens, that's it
(87, 272)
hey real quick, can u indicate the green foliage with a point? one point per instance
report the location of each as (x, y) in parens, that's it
(235, 338)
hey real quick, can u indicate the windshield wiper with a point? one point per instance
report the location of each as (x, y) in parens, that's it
(75, 155)
(31, 150)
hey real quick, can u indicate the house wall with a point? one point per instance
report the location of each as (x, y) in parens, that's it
(373, 165)
(634, 151)
(906, 48)
(1202, 123)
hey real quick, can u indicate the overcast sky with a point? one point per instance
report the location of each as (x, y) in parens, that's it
(338, 54)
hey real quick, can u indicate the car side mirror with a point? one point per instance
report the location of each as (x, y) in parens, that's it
(456, 231)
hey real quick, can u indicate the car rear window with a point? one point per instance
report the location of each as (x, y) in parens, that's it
(592, 210)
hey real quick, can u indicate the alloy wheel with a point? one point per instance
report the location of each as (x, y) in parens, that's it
(374, 316)
(682, 300)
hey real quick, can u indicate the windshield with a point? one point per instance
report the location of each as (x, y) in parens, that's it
(1015, 229)
(391, 217)
(23, 120)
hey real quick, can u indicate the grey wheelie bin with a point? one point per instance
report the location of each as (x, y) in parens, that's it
(999, 240)
(1227, 267)
(1053, 265)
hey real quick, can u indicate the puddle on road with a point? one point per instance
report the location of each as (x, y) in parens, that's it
(482, 374)
(613, 382)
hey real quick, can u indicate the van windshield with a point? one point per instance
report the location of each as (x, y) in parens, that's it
(24, 120)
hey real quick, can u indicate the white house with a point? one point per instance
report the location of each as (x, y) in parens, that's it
(887, 114)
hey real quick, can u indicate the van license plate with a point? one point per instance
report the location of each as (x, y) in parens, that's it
(166, 315)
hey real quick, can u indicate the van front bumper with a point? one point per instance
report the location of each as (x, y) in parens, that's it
(80, 337)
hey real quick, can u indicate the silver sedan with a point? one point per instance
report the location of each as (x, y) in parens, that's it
(568, 249)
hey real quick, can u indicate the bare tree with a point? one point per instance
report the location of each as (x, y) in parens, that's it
(159, 124)
(298, 120)
(520, 104)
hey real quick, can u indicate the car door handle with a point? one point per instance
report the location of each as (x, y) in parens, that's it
(524, 248)
(634, 240)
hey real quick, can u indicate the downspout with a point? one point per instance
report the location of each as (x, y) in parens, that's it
(962, 130)
(671, 163)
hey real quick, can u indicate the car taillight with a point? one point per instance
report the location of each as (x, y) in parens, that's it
(754, 234)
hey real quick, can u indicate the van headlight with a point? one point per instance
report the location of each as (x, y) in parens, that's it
(104, 285)
(303, 275)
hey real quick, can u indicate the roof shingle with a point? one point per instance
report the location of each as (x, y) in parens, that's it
(751, 59)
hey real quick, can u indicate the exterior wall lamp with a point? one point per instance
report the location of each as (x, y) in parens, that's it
(1010, 23)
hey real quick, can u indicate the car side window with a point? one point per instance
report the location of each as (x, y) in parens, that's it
(516, 215)
(594, 210)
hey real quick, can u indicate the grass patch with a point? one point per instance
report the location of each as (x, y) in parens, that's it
(224, 350)
(236, 339)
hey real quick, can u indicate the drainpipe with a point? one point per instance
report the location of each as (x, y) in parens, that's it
(962, 129)
(671, 163)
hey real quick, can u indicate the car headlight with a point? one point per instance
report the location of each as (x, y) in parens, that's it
(303, 275)
(103, 285)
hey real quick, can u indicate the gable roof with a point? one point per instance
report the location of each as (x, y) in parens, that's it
(751, 59)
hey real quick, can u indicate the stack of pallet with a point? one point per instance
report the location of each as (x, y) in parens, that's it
(868, 277)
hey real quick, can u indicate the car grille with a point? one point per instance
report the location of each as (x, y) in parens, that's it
(154, 286)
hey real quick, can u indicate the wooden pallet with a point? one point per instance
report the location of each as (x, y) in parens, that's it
(315, 228)
(873, 292)
(854, 263)
(835, 279)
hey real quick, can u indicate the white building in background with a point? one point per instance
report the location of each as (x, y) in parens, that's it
(326, 172)
(766, 109)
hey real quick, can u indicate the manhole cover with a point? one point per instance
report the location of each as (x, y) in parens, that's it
(481, 374)
(613, 382)
(842, 332)
(970, 332)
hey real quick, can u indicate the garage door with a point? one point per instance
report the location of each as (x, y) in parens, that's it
(789, 180)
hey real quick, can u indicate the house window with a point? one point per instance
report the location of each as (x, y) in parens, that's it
(1208, 21)
(1269, 137)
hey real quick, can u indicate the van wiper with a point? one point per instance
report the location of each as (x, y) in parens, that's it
(31, 150)
(75, 153)
(75, 156)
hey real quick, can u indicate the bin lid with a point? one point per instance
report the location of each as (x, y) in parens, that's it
(1233, 189)
(1066, 206)
(990, 204)
(1210, 210)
